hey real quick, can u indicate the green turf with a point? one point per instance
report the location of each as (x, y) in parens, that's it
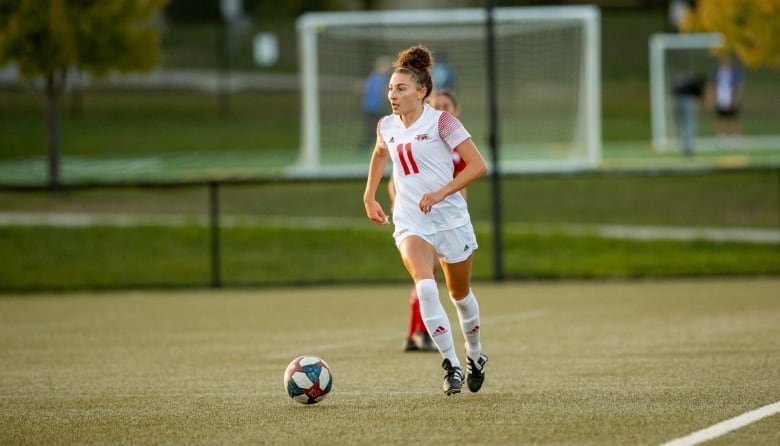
(570, 363)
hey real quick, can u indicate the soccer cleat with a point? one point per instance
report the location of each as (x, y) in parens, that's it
(476, 373)
(410, 346)
(453, 380)
(424, 342)
(420, 342)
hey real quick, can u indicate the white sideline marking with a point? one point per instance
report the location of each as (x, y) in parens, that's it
(724, 427)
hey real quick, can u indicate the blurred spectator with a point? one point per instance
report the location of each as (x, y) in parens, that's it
(688, 92)
(443, 73)
(728, 84)
(374, 101)
(678, 9)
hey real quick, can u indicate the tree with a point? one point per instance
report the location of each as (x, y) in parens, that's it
(48, 39)
(751, 27)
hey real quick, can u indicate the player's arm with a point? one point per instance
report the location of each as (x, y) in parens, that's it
(462, 191)
(475, 168)
(459, 164)
(375, 172)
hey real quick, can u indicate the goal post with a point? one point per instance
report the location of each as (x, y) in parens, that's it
(548, 81)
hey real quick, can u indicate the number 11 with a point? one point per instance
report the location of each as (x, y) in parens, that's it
(408, 155)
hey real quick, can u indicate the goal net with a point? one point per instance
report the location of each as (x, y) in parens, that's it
(675, 57)
(547, 71)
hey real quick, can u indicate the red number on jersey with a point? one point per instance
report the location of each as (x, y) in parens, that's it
(404, 157)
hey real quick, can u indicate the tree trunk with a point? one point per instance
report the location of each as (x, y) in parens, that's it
(76, 95)
(52, 98)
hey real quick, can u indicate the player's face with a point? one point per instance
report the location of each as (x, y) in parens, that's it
(444, 103)
(404, 94)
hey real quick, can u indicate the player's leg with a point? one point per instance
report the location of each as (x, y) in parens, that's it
(417, 337)
(456, 248)
(458, 277)
(458, 282)
(418, 258)
(414, 320)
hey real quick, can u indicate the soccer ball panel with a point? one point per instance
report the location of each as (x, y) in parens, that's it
(302, 380)
(325, 378)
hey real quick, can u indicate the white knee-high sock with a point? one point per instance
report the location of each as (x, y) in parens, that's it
(435, 319)
(468, 315)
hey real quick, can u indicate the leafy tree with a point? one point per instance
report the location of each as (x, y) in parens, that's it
(48, 39)
(751, 27)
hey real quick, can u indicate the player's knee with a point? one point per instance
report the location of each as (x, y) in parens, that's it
(458, 292)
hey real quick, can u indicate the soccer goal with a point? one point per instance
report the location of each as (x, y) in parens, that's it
(676, 56)
(548, 81)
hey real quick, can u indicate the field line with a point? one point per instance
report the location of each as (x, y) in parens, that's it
(724, 427)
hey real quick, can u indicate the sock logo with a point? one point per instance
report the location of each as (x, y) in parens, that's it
(474, 330)
(439, 331)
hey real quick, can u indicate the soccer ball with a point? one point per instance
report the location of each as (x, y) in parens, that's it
(308, 379)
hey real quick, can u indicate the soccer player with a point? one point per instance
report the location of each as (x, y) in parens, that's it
(417, 337)
(430, 216)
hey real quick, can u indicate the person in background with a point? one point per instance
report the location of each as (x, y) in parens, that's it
(688, 92)
(373, 103)
(430, 216)
(728, 84)
(443, 73)
(417, 337)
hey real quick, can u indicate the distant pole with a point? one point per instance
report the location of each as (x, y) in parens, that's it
(231, 13)
(492, 100)
(224, 73)
(216, 279)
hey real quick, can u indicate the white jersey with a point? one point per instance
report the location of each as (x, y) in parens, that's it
(422, 162)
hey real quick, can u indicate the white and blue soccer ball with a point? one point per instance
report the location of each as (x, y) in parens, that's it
(308, 379)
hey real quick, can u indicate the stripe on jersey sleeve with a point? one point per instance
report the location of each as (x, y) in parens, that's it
(451, 130)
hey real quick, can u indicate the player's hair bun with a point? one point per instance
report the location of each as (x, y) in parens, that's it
(417, 61)
(417, 58)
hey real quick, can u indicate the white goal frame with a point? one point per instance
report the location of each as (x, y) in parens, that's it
(659, 90)
(588, 104)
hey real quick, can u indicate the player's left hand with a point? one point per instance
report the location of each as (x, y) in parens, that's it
(428, 200)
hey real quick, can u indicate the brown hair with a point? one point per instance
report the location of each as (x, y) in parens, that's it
(450, 95)
(416, 61)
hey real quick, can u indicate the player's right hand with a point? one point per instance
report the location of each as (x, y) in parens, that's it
(375, 213)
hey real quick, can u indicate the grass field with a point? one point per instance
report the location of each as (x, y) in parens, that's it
(551, 231)
(570, 363)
